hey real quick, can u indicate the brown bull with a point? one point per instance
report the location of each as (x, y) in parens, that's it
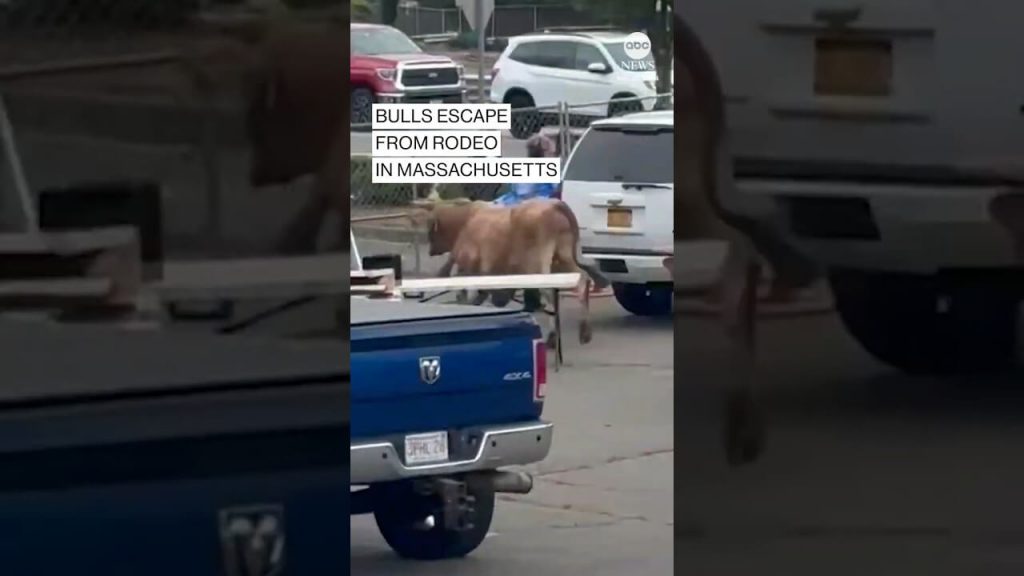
(294, 83)
(704, 164)
(535, 237)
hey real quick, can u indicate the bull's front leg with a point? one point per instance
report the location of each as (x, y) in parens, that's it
(744, 425)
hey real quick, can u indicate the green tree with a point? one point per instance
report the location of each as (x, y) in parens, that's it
(362, 11)
(652, 16)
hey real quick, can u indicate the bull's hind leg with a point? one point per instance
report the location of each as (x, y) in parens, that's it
(551, 296)
(744, 426)
(586, 332)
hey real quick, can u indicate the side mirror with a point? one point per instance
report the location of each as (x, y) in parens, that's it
(597, 68)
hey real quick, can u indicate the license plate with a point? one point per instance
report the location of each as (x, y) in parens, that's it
(436, 100)
(620, 218)
(426, 448)
(852, 67)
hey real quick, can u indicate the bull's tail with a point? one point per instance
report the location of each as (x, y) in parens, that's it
(784, 258)
(600, 281)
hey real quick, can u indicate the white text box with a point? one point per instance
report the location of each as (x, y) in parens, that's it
(435, 143)
(466, 170)
(442, 117)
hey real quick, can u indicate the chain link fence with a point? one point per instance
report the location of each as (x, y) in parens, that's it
(385, 217)
(505, 21)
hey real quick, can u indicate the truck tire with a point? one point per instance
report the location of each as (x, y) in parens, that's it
(526, 123)
(920, 325)
(362, 105)
(617, 107)
(644, 300)
(400, 512)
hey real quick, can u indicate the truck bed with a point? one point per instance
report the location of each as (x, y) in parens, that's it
(44, 363)
(367, 312)
(486, 358)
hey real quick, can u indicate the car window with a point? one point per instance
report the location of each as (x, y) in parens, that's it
(586, 55)
(372, 41)
(550, 54)
(623, 155)
(525, 53)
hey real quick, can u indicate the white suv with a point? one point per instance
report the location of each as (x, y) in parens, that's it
(543, 69)
(619, 183)
(872, 135)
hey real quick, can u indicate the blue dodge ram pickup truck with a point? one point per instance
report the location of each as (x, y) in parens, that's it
(443, 398)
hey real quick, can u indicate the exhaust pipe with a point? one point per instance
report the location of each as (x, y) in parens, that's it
(511, 482)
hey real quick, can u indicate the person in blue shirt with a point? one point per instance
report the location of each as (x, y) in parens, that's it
(538, 146)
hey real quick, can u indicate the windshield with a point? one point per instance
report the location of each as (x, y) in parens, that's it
(612, 155)
(372, 41)
(618, 53)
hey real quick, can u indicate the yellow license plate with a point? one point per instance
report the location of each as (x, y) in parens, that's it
(620, 218)
(852, 67)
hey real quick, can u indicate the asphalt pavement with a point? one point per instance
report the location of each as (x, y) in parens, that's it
(602, 502)
(866, 471)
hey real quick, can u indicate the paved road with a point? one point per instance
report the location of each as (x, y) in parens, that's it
(867, 471)
(361, 144)
(602, 504)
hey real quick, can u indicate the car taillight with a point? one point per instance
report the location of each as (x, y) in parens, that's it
(494, 74)
(540, 370)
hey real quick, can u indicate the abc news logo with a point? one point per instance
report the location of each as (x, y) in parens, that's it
(637, 47)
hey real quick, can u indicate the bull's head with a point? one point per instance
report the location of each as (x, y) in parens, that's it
(445, 223)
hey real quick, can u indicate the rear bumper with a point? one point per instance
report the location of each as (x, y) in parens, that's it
(630, 268)
(379, 460)
(909, 228)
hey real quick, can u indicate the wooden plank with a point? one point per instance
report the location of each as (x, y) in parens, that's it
(509, 282)
(67, 287)
(255, 277)
(67, 243)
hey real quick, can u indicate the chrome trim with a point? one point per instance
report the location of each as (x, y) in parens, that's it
(376, 461)
(402, 66)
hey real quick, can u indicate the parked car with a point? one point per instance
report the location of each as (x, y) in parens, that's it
(580, 68)
(619, 181)
(444, 398)
(879, 155)
(387, 66)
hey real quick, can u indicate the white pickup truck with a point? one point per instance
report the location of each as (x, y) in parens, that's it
(877, 133)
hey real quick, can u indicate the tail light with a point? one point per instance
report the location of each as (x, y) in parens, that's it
(494, 74)
(540, 370)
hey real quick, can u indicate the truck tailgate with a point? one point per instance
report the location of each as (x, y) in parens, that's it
(484, 357)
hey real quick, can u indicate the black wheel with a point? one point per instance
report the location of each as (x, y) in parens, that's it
(644, 300)
(923, 326)
(401, 516)
(525, 123)
(362, 105)
(618, 108)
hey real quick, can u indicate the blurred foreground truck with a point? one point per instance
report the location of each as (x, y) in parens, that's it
(887, 140)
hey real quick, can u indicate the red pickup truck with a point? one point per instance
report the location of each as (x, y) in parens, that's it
(387, 66)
